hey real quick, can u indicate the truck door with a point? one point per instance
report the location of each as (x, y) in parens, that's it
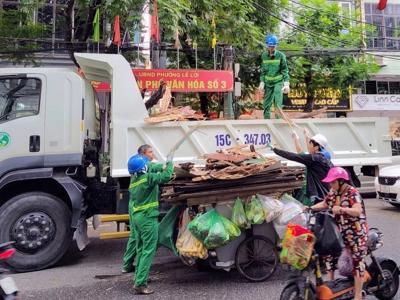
(22, 118)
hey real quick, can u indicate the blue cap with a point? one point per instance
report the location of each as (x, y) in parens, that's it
(271, 40)
(137, 163)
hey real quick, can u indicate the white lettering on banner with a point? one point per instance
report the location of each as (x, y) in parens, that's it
(376, 102)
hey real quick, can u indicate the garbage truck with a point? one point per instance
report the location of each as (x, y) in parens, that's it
(64, 149)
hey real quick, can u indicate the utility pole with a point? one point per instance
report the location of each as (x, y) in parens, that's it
(228, 100)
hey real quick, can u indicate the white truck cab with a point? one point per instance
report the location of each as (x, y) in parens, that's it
(64, 149)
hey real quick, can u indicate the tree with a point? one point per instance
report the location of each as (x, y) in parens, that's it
(18, 33)
(238, 23)
(21, 36)
(322, 37)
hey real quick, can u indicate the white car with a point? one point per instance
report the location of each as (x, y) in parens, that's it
(387, 185)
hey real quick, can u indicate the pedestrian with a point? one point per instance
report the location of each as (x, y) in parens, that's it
(301, 195)
(274, 77)
(317, 166)
(143, 205)
(129, 256)
(346, 204)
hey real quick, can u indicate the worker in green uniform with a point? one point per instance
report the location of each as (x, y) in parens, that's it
(144, 196)
(130, 252)
(274, 79)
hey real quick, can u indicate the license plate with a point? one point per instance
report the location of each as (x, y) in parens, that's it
(8, 286)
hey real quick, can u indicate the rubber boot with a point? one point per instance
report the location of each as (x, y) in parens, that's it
(143, 290)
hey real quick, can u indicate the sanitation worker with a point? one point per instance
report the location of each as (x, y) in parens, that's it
(127, 262)
(274, 79)
(143, 205)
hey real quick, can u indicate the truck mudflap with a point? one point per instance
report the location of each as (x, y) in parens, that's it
(80, 234)
(75, 192)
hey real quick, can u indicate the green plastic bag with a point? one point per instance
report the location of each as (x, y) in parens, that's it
(213, 229)
(201, 224)
(167, 228)
(238, 214)
(232, 229)
(254, 211)
(218, 235)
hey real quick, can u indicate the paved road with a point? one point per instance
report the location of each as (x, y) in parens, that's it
(94, 273)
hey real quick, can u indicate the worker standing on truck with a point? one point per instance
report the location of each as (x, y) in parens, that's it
(143, 203)
(129, 256)
(274, 77)
(317, 166)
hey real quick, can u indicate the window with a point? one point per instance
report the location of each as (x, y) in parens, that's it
(383, 87)
(370, 87)
(345, 8)
(19, 97)
(386, 33)
(394, 87)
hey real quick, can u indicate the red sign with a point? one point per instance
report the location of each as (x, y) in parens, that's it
(180, 80)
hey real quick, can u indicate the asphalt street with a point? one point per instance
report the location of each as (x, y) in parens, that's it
(95, 272)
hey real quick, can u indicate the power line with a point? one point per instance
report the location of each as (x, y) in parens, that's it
(300, 28)
(308, 31)
(340, 16)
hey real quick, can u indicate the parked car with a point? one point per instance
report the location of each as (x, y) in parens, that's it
(387, 185)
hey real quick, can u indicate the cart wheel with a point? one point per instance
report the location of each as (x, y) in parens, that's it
(256, 258)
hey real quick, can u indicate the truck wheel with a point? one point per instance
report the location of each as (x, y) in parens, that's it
(39, 223)
(395, 204)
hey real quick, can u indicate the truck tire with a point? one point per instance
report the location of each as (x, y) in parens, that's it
(39, 223)
(395, 204)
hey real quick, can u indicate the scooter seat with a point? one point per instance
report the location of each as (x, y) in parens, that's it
(340, 284)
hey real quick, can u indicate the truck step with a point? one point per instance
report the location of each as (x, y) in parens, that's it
(114, 218)
(114, 235)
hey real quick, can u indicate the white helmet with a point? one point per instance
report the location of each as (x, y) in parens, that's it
(320, 139)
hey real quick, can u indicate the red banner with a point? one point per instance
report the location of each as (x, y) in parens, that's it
(180, 80)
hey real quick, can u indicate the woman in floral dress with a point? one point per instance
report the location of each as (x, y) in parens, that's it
(347, 206)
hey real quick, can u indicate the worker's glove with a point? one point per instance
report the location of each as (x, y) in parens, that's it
(270, 146)
(286, 87)
(261, 86)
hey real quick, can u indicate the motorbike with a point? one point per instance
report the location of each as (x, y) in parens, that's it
(381, 277)
(8, 288)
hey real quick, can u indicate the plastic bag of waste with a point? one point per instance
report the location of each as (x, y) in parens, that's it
(345, 263)
(297, 246)
(213, 229)
(255, 212)
(201, 224)
(272, 207)
(221, 232)
(291, 209)
(238, 214)
(189, 246)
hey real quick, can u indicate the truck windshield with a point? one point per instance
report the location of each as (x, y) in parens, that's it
(19, 97)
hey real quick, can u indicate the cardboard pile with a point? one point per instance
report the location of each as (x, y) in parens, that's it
(231, 173)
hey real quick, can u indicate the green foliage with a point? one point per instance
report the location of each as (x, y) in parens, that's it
(17, 32)
(238, 23)
(326, 30)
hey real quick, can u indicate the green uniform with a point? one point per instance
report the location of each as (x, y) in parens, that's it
(130, 252)
(144, 196)
(274, 72)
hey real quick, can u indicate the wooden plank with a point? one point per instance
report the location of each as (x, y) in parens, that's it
(237, 189)
(234, 192)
